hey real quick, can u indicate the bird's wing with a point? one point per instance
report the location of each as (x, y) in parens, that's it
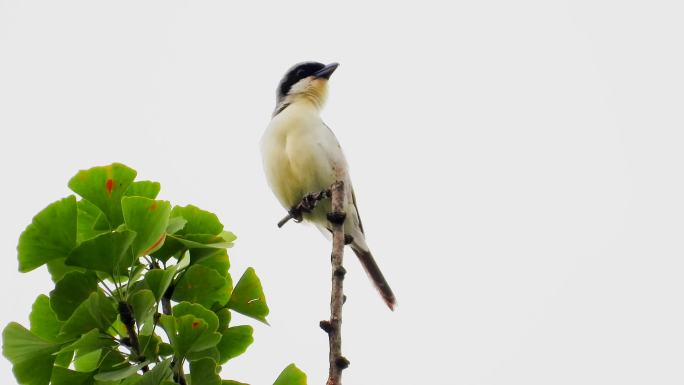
(356, 208)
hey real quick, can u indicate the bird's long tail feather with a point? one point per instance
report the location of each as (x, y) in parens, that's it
(373, 271)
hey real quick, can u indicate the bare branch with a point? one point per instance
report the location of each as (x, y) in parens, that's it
(334, 326)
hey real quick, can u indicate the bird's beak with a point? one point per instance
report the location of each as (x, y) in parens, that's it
(326, 71)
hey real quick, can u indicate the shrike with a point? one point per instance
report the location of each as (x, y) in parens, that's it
(301, 155)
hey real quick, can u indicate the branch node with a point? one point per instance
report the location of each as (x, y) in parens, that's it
(326, 326)
(348, 239)
(340, 271)
(337, 217)
(342, 363)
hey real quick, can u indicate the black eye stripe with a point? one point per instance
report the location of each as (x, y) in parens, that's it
(295, 74)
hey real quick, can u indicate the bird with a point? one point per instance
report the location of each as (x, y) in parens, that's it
(301, 155)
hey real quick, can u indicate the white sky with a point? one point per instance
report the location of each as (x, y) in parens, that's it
(518, 167)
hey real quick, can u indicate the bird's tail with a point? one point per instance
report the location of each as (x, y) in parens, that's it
(373, 271)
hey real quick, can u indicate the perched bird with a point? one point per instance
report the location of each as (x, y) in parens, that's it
(301, 155)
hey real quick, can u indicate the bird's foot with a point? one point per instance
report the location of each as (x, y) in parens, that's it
(296, 214)
(309, 202)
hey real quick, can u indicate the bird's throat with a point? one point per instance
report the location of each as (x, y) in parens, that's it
(315, 93)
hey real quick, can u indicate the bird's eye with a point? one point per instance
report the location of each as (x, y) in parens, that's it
(301, 74)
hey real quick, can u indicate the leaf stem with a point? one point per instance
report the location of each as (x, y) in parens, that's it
(106, 288)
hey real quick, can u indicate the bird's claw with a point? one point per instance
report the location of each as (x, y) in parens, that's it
(309, 202)
(296, 214)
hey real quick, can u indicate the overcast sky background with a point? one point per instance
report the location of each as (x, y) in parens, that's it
(518, 167)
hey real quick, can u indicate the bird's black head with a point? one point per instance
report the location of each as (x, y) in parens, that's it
(300, 71)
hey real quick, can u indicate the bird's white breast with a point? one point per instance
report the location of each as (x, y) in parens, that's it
(300, 154)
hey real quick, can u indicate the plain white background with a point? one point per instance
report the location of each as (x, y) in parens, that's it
(518, 167)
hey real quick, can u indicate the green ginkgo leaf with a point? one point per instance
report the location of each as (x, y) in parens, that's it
(199, 221)
(234, 342)
(203, 285)
(228, 236)
(291, 375)
(88, 215)
(191, 328)
(63, 376)
(224, 317)
(201, 241)
(144, 305)
(188, 334)
(212, 353)
(248, 297)
(51, 235)
(216, 259)
(58, 268)
(70, 291)
(46, 325)
(109, 253)
(175, 225)
(110, 360)
(159, 373)
(149, 345)
(31, 356)
(97, 311)
(44, 321)
(104, 186)
(120, 374)
(148, 218)
(199, 311)
(143, 188)
(87, 362)
(88, 342)
(170, 248)
(158, 280)
(204, 372)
